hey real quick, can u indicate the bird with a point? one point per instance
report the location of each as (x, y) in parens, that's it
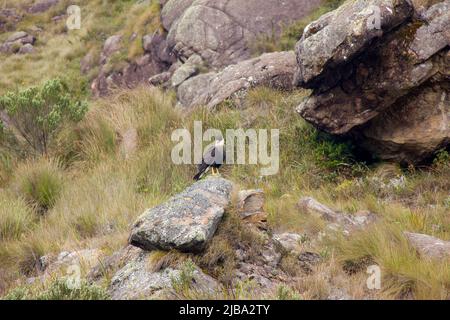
(213, 158)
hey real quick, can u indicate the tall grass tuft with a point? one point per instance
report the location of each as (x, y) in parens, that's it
(16, 218)
(40, 183)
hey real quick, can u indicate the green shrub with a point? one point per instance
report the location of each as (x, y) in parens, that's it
(442, 159)
(37, 113)
(40, 183)
(333, 155)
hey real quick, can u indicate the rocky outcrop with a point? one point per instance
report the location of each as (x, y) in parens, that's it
(42, 6)
(428, 246)
(274, 70)
(369, 63)
(140, 279)
(118, 72)
(186, 222)
(19, 42)
(222, 32)
(51, 264)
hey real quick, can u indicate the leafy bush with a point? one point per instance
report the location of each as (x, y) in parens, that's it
(40, 183)
(36, 114)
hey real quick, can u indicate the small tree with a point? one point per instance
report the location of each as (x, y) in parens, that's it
(36, 114)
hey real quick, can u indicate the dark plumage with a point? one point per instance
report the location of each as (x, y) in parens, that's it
(209, 159)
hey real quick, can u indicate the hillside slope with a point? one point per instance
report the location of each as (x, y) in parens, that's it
(87, 205)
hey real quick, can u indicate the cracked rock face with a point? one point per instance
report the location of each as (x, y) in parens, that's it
(385, 85)
(185, 222)
(222, 31)
(274, 70)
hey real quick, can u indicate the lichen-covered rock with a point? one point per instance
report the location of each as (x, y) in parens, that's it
(274, 70)
(428, 246)
(139, 280)
(185, 222)
(222, 32)
(366, 76)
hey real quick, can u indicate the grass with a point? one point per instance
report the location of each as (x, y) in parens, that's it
(39, 182)
(95, 181)
(16, 218)
(104, 190)
(59, 51)
(59, 290)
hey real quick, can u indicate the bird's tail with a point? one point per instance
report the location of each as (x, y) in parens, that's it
(198, 176)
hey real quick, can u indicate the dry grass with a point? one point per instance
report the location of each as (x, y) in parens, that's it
(106, 186)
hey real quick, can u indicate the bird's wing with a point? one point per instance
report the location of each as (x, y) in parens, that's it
(209, 156)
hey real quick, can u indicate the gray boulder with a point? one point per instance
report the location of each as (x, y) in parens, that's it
(111, 45)
(274, 70)
(187, 221)
(42, 6)
(15, 42)
(25, 49)
(288, 242)
(222, 32)
(139, 279)
(365, 76)
(428, 246)
(336, 220)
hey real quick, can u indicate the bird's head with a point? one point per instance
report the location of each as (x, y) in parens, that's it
(220, 142)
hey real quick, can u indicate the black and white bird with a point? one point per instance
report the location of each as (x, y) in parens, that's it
(213, 158)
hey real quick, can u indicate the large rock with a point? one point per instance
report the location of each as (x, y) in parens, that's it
(428, 246)
(185, 222)
(275, 70)
(42, 6)
(138, 279)
(222, 32)
(367, 79)
(336, 220)
(121, 73)
(250, 207)
(16, 42)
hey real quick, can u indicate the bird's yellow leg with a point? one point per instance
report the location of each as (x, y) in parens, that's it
(213, 172)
